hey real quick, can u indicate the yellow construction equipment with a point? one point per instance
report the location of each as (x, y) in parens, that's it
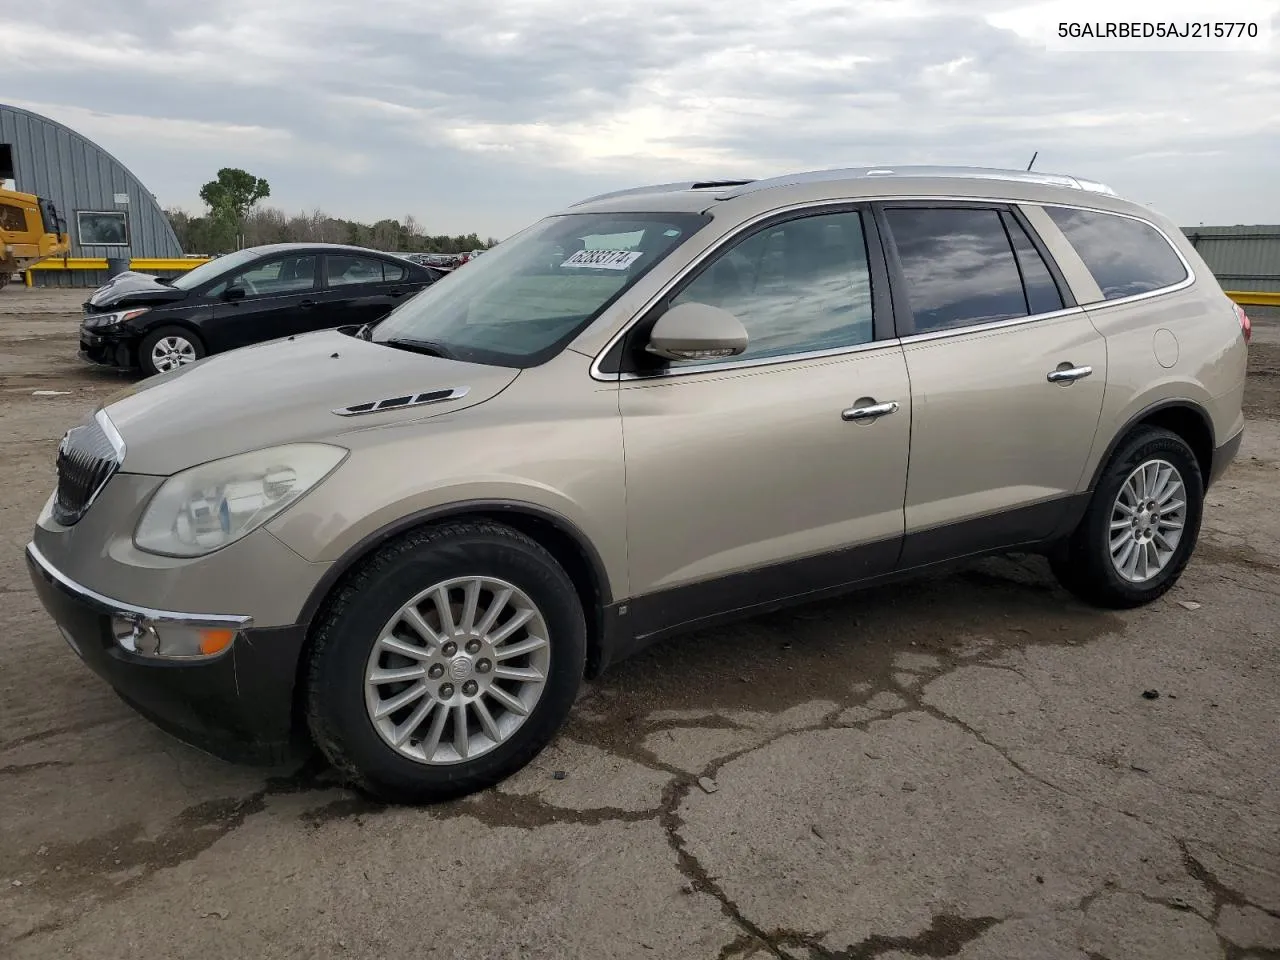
(30, 231)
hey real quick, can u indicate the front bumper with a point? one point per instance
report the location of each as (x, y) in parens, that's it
(237, 705)
(109, 350)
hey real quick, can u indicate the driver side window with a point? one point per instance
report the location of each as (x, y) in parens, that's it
(272, 277)
(798, 286)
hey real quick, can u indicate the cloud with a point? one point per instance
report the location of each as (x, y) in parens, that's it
(483, 116)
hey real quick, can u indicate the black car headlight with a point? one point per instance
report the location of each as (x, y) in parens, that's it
(111, 321)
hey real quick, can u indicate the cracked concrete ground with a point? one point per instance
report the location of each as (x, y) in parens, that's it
(958, 767)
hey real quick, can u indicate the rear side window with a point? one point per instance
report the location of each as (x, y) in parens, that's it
(1125, 256)
(959, 266)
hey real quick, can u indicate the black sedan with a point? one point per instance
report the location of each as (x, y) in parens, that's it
(260, 293)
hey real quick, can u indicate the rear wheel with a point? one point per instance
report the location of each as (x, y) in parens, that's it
(1141, 525)
(167, 349)
(447, 663)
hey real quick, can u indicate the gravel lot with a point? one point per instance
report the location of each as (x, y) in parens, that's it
(961, 767)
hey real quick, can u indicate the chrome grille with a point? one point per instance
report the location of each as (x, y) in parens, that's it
(87, 458)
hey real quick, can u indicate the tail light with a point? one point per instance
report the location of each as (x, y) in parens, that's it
(1246, 326)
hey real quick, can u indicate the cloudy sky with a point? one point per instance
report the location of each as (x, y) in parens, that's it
(484, 114)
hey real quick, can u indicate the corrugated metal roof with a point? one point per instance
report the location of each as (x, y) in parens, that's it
(53, 161)
(1242, 257)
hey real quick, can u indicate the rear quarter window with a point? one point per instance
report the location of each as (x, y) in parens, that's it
(1125, 256)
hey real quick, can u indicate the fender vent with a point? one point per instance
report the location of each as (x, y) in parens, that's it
(409, 400)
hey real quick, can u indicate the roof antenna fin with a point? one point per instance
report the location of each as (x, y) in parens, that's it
(1033, 161)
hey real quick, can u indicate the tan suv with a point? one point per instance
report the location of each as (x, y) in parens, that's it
(650, 412)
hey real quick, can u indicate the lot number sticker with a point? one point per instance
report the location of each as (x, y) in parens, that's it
(603, 259)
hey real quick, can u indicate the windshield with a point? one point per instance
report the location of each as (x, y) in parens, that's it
(214, 268)
(524, 300)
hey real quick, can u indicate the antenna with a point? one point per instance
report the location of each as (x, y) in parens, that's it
(1033, 160)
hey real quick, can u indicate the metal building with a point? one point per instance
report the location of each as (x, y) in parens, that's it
(109, 212)
(1242, 258)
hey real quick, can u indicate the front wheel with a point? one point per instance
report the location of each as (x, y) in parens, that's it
(1141, 525)
(447, 663)
(167, 349)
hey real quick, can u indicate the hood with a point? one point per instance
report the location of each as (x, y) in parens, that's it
(285, 391)
(131, 289)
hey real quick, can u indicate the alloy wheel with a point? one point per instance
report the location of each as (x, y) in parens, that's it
(1147, 520)
(457, 670)
(172, 352)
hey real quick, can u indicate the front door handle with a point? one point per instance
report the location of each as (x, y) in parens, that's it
(1068, 374)
(868, 411)
(306, 304)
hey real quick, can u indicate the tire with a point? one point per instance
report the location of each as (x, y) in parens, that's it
(341, 697)
(1084, 563)
(184, 346)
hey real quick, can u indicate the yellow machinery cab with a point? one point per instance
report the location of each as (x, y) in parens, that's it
(30, 231)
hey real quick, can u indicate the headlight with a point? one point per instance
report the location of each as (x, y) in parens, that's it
(207, 507)
(106, 321)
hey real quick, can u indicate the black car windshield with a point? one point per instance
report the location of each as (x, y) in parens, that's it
(213, 268)
(524, 300)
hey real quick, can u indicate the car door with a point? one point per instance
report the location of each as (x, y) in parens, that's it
(1007, 377)
(360, 289)
(273, 297)
(782, 471)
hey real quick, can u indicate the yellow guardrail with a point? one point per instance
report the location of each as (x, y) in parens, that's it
(1255, 298)
(1246, 298)
(143, 264)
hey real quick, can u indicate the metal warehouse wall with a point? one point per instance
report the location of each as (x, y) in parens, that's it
(53, 161)
(1242, 258)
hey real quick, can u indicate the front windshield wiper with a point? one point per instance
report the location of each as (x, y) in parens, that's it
(428, 347)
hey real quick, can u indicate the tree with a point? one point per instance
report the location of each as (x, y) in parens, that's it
(232, 194)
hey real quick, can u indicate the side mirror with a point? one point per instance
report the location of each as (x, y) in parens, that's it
(234, 293)
(697, 331)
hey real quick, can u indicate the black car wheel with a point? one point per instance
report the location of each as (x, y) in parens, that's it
(167, 349)
(1141, 525)
(446, 663)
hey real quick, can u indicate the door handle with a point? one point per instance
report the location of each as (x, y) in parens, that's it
(306, 304)
(1068, 374)
(869, 411)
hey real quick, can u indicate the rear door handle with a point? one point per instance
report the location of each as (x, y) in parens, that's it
(306, 304)
(870, 411)
(1068, 374)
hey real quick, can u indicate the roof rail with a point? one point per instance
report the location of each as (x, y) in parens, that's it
(960, 173)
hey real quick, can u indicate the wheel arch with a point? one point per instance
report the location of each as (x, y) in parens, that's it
(1183, 416)
(562, 538)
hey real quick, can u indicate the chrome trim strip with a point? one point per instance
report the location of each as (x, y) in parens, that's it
(757, 362)
(107, 605)
(112, 433)
(819, 205)
(993, 325)
(416, 400)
